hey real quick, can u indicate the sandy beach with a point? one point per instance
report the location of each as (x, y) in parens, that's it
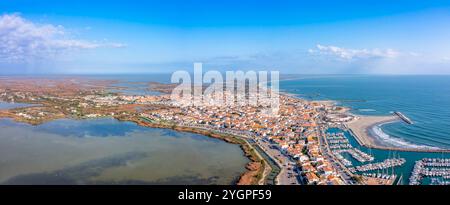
(361, 124)
(360, 130)
(326, 102)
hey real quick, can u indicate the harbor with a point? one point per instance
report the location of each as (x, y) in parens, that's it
(388, 163)
(317, 144)
(403, 173)
(359, 162)
(362, 129)
(436, 170)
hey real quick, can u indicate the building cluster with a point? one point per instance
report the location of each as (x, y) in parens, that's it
(294, 130)
(17, 96)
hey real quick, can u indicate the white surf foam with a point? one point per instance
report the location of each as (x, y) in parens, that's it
(397, 141)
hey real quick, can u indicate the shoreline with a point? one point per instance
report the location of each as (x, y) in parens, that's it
(361, 125)
(360, 130)
(257, 168)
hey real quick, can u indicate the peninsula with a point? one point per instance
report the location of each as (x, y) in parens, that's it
(292, 147)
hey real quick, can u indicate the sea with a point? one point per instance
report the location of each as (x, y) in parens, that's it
(425, 99)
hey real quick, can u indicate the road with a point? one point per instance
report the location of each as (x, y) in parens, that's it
(289, 174)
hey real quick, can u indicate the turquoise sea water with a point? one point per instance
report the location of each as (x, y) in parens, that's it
(424, 99)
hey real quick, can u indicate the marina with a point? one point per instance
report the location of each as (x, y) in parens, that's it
(380, 176)
(436, 169)
(340, 144)
(226, 93)
(404, 172)
(358, 161)
(346, 150)
(388, 163)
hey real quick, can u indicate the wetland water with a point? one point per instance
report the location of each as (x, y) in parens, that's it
(107, 151)
(8, 105)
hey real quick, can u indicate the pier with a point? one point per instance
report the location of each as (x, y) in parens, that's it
(388, 163)
(404, 118)
(360, 141)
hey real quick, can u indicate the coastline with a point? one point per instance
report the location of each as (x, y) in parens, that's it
(257, 168)
(361, 127)
(361, 130)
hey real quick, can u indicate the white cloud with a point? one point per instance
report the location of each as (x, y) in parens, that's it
(350, 54)
(114, 45)
(22, 40)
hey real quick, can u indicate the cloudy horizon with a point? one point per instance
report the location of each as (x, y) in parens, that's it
(406, 37)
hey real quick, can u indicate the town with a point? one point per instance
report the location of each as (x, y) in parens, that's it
(292, 147)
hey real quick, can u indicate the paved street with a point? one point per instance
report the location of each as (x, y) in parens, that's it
(289, 173)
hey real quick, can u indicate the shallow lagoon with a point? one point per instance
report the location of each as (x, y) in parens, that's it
(106, 151)
(8, 105)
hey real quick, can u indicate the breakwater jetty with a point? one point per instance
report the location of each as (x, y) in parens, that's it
(360, 130)
(404, 118)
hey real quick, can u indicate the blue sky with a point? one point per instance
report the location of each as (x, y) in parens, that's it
(320, 37)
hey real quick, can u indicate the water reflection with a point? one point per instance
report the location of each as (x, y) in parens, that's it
(106, 151)
(8, 105)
